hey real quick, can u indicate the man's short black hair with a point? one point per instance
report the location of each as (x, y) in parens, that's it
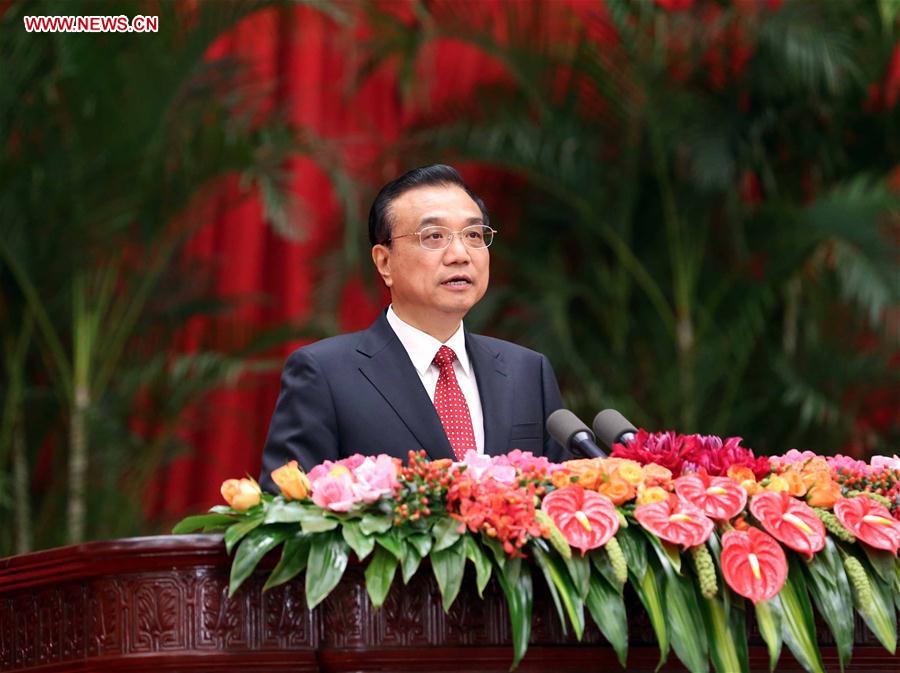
(380, 223)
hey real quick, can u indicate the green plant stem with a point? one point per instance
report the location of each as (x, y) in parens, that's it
(21, 496)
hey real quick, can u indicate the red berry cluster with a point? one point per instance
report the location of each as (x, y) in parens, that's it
(885, 483)
(422, 488)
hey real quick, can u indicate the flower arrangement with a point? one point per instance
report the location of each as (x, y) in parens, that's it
(695, 524)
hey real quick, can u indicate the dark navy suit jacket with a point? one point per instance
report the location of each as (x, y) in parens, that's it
(359, 393)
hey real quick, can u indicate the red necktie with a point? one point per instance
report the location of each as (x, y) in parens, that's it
(451, 405)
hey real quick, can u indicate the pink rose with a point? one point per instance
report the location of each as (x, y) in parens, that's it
(480, 467)
(375, 477)
(334, 489)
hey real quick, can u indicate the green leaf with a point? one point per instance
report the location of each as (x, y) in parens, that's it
(253, 547)
(204, 521)
(519, 599)
(646, 586)
(540, 558)
(380, 575)
(607, 608)
(560, 583)
(667, 552)
(294, 556)
(235, 533)
(421, 541)
(482, 563)
(798, 627)
(316, 520)
(328, 556)
(634, 546)
(685, 622)
(768, 619)
(496, 550)
(830, 589)
(281, 511)
(223, 509)
(727, 636)
(882, 562)
(879, 613)
(391, 541)
(580, 571)
(376, 523)
(600, 561)
(410, 562)
(359, 542)
(448, 566)
(445, 533)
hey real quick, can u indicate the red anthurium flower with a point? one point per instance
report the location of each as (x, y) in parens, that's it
(586, 519)
(718, 497)
(675, 521)
(870, 521)
(753, 564)
(790, 520)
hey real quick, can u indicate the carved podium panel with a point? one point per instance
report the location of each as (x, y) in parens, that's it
(160, 604)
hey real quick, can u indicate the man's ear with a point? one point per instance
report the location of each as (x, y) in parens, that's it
(381, 256)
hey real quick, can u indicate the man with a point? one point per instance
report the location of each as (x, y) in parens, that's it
(416, 379)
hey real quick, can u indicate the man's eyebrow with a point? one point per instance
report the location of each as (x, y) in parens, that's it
(433, 219)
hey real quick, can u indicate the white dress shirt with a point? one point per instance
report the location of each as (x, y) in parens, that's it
(422, 348)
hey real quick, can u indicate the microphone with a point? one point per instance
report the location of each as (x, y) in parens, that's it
(611, 427)
(569, 430)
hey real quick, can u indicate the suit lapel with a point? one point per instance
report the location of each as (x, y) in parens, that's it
(391, 371)
(495, 389)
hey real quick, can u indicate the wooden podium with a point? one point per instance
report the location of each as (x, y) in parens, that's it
(160, 604)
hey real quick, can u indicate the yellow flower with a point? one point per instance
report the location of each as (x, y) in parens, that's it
(292, 481)
(241, 494)
(629, 470)
(647, 495)
(777, 483)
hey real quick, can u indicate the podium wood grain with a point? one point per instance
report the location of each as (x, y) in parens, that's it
(160, 604)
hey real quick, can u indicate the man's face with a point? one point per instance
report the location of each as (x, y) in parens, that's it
(430, 287)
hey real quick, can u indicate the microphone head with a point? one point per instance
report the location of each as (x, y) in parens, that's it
(610, 425)
(562, 424)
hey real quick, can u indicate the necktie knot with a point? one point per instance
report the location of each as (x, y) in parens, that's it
(444, 357)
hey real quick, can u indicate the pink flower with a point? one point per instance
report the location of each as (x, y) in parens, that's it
(884, 462)
(663, 448)
(849, 464)
(480, 467)
(676, 521)
(375, 477)
(528, 462)
(793, 456)
(333, 489)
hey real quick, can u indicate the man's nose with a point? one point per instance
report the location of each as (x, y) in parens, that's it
(457, 250)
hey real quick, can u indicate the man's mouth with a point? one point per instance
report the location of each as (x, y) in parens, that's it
(457, 281)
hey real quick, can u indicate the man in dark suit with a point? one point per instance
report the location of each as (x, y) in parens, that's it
(416, 379)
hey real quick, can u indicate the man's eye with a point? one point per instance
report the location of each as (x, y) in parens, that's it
(475, 235)
(435, 236)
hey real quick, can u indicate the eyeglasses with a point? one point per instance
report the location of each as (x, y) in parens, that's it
(439, 238)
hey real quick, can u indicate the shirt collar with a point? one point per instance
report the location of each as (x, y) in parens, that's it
(422, 347)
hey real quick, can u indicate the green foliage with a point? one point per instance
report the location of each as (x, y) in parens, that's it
(112, 147)
(703, 223)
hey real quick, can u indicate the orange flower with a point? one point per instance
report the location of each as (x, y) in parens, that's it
(292, 481)
(617, 489)
(561, 478)
(795, 483)
(824, 492)
(649, 494)
(656, 474)
(587, 470)
(741, 473)
(241, 494)
(751, 486)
